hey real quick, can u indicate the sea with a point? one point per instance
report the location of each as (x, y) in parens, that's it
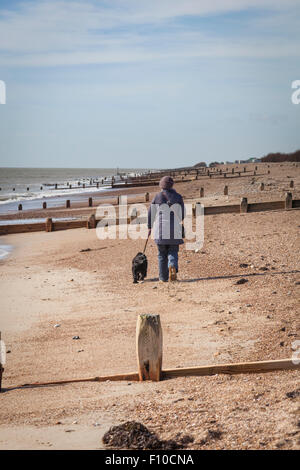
(31, 185)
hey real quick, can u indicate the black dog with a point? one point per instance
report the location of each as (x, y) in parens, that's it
(139, 267)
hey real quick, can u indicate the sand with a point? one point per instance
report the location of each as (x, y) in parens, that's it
(206, 319)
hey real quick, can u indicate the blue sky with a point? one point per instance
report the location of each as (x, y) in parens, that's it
(139, 83)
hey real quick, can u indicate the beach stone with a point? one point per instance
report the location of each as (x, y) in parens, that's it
(241, 281)
(76, 337)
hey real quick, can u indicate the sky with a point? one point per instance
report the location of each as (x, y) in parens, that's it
(147, 83)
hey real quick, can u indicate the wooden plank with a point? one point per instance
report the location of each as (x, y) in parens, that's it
(21, 228)
(296, 203)
(212, 210)
(64, 225)
(237, 368)
(265, 206)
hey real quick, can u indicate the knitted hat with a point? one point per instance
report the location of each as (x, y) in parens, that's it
(166, 182)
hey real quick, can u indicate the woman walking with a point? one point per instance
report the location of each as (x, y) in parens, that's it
(165, 216)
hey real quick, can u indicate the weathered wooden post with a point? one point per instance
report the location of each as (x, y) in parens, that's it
(20, 207)
(149, 347)
(68, 204)
(232, 171)
(146, 197)
(225, 190)
(49, 225)
(244, 169)
(256, 168)
(262, 186)
(288, 201)
(56, 186)
(254, 173)
(244, 205)
(44, 205)
(201, 192)
(291, 184)
(1, 368)
(91, 222)
(225, 175)
(83, 185)
(90, 202)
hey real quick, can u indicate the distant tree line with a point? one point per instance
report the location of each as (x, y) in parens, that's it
(282, 157)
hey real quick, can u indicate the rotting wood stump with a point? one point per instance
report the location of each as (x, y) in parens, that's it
(244, 205)
(49, 224)
(288, 201)
(149, 347)
(91, 222)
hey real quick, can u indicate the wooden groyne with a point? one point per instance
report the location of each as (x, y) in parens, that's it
(243, 208)
(149, 355)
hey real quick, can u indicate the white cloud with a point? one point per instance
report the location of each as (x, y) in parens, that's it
(50, 33)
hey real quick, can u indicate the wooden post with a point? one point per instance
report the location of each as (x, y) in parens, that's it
(232, 171)
(149, 347)
(91, 222)
(262, 186)
(44, 205)
(146, 197)
(244, 169)
(225, 175)
(291, 184)
(201, 192)
(49, 225)
(1, 368)
(244, 205)
(225, 190)
(20, 207)
(288, 201)
(90, 201)
(68, 204)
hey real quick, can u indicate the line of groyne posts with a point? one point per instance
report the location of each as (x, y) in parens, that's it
(146, 196)
(180, 175)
